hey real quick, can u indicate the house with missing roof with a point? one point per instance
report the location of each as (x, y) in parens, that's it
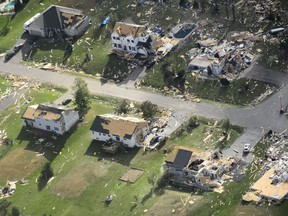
(187, 168)
(50, 117)
(57, 19)
(131, 38)
(128, 130)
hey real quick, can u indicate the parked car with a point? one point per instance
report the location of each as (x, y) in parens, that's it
(13, 52)
(67, 101)
(155, 141)
(150, 63)
(9, 55)
(246, 148)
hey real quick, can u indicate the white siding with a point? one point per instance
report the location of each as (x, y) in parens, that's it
(105, 137)
(70, 118)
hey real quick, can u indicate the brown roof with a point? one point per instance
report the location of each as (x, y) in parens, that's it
(48, 111)
(117, 125)
(264, 187)
(29, 112)
(125, 29)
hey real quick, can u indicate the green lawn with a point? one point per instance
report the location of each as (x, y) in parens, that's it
(240, 92)
(85, 176)
(206, 135)
(3, 84)
(10, 118)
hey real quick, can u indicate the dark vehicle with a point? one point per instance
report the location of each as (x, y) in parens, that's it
(67, 101)
(150, 63)
(9, 55)
(17, 48)
(12, 52)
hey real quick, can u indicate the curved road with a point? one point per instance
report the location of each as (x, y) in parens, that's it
(264, 116)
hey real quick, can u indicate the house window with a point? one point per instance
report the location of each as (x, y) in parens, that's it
(119, 46)
(128, 40)
(115, 45)
(56, 129)
(117, 38)
(132, 41)
(113, 37)
(129, 47)
(133, 48)
(117, 138)
(48, 127)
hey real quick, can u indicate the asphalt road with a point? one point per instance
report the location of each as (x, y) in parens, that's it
(263, 116)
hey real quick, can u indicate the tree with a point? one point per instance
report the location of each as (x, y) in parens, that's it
(123, 107)
(226, 125)
(81, 95)
(149, 109)
(203, 4)
(195, 4)
(47, 172)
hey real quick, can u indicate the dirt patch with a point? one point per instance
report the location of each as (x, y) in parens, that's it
(19, 163)
(78, 178)
(174, 202)
(132, 175)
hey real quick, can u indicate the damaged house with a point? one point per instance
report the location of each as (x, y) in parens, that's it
(128, 130)
(57, 19)
(227, 59)
(188, 169)
(50, 117)
(131, 38)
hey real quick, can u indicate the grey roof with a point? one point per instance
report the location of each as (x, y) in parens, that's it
(51, 19)
(182, 158)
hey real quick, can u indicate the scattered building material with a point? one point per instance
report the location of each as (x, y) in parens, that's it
(57, 19)
(273, 185)
(132, 175)
(187, 168)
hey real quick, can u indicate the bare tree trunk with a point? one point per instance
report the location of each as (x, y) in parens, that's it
(227, 9)
(233, 11)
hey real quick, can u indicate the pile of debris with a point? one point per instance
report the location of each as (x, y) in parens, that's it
(17, 81)
(8, 190)
(273, 185)
(189, 169)
(225, 60)
(4, 140)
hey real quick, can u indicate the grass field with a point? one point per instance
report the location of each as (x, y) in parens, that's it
(181, 202)
(3, 85)
(84, 175)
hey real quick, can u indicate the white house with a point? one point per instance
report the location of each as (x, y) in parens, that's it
(128, 130)
(57, 19)
(50, 117)
(131, 38)
(201, 64)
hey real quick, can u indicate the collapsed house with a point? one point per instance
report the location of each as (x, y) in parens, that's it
(273, 185)
(50, 117)
(129, 131)
(227, 59)
(188, 169)
(131, 38)
(57, 19)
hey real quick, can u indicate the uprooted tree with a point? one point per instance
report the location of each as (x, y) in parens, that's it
(149, 109)
(81, 95)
